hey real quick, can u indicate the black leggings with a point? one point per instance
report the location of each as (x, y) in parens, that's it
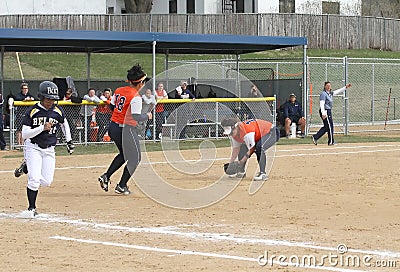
(127, 142)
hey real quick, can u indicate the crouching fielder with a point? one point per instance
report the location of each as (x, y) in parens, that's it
(248, 137)
(40, 125)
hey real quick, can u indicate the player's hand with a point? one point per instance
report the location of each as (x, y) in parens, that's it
(150, 115)
(70, 147)
(348, 85)
(324, 117)
(47, 126)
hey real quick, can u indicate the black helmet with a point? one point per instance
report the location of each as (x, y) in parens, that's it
(48, 89)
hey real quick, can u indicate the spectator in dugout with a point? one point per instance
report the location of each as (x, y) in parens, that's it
(182, 92)
(293, 113)
(23, 95)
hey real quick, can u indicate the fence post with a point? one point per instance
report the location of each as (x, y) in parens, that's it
(216, 119)
(346, 97)
(12, 124)
(373, 94)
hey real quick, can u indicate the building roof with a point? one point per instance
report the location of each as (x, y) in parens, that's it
(39, 40)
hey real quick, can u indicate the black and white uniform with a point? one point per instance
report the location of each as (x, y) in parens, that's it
(39, 145)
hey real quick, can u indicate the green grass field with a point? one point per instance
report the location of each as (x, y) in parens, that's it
(114, 66)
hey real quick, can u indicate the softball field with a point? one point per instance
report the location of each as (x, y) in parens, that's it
(322, 209)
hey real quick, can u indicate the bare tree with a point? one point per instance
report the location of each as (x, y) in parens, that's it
(138, 6)
(382, 8)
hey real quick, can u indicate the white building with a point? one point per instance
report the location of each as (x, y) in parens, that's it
(9, 7)
(344, 7)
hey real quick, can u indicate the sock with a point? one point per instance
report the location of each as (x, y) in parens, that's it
(31, 198)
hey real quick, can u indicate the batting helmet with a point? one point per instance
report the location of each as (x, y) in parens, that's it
(48, 89)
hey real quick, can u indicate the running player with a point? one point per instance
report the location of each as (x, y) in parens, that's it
(39, 127)
(127, 107)
(248, 137)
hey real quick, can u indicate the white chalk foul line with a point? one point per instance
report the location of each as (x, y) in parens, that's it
(294, 151)
(199, 253)
(174, 231)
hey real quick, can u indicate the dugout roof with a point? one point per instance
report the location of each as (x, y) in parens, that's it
(39, 40)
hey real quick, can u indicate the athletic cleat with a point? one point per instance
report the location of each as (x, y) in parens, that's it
(22, 169)
(122, 190)
(28, 214)
(241, 175)
(261, 176)
(104, 181)
(313, 140)
(332, 144)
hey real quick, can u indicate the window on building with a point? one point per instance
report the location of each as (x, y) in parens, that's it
(330, 7)
(287, 6)
(190, 6)
(110, 10)
(173, 6)
(239, 6)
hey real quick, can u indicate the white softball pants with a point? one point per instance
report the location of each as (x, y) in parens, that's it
(41, 164)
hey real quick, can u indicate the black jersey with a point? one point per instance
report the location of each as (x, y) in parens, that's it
(37, 115)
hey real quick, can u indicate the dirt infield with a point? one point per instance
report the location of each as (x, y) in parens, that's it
(334, 206)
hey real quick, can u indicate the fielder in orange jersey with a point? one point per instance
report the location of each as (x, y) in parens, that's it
(248, 137)
(126, 104)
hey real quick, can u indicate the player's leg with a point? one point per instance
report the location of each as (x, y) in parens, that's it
(48, 166)
(266, 142)
(302, 123)
(34, 164)
(288, 123)
(242, 171)
(329, 123)
(132, 155)
(321, 131)
(115, 133)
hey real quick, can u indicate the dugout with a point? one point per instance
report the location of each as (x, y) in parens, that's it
(92, 42)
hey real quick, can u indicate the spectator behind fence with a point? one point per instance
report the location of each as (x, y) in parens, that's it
(293, 113)
(211, 94)
(254, 92)
(149, 101)
(103, 114)
(248, 111)
(88, 111)
(73, 111)
(161, 114)
(23, 95)
(182, 92)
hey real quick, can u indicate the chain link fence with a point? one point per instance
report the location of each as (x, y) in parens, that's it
(371, 104)
(186, 119)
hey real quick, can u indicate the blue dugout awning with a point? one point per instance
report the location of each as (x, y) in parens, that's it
(39, 40)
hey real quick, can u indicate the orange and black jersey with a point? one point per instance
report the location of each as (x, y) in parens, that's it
(126, 101)
(251, 131)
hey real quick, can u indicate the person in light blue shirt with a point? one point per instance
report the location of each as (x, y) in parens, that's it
(325, 112)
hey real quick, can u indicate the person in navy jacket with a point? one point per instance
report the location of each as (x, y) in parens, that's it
(293, 113)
